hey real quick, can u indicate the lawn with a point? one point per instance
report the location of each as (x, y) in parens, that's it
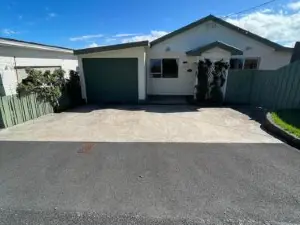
(289, 120)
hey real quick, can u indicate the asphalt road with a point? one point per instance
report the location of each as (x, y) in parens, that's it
(148, 183)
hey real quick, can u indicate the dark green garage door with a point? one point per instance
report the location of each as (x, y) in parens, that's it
(111, 80)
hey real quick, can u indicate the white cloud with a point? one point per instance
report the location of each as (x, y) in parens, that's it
(110, 39)
(294, 5)
(266, 10)
(51, 15)
(86, 37)
(150, 37)
(92, 45)
(289, 44)
(9, 32)
(278, 26)
(124, 35)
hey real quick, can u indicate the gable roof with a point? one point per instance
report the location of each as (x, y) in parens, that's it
(215, 19)
(28, 44)
(111, 47)
(219, 44)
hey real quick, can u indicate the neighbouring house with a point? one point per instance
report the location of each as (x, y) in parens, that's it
(167, 66)
(16, 56)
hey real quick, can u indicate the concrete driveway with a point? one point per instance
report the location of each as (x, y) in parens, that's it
(143, 124)
(148, 183)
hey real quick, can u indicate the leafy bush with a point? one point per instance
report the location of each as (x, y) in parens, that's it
(73, 85)
(48, 86)
(216, 95)
(211, 78)
(202, 86)
(220, 69)
(71, 93)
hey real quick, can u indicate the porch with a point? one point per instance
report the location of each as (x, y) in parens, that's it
(175, 74)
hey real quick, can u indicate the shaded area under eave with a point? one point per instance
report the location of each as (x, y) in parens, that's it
(217, 44)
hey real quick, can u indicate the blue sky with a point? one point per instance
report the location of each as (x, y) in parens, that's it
(79, 24)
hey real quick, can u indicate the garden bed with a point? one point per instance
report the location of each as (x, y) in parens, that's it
(285, 124)
(288, 120)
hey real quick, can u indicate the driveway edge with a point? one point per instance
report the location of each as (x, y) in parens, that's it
(277, 131)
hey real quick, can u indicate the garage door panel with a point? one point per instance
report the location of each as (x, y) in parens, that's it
(111, 80)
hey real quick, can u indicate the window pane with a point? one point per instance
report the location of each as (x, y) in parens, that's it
(236, 64)
(156, 75)
(170, 68)
(22, 71)
(155, 65)
(251, 64)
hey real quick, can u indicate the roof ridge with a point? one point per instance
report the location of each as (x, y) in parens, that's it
(199, 50)
(231, 26)
(111, 47)
(34, 43)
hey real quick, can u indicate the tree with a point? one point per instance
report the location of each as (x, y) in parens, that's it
(48, 86)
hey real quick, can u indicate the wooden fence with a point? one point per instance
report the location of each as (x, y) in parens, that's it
(14, 110)
(274, 89)
(2, 91)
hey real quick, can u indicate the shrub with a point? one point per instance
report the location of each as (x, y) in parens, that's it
(211, 78)
(49, 86)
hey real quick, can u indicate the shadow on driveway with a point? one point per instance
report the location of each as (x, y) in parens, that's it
(145, 108)
(254, 113)
(257, 114)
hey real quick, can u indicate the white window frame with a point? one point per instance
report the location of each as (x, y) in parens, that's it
(161, 71)
(244, 59)
(161, 68)
(258, 62)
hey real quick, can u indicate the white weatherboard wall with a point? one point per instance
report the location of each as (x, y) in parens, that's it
(11, 56)
(201, 35)
(182, 85)
(135, 52)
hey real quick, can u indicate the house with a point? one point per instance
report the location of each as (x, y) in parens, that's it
(16, 56)
(167, 66)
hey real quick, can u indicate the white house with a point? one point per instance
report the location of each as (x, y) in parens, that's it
(167, 66)
(16, 56)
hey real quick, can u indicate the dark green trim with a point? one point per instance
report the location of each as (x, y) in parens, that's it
(34, 43)
(198, 51)
(265, 41)
(111, 47)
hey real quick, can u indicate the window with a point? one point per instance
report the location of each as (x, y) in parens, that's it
(244, 64)
(21, 70)
(165, 68)
(156, 68)
(236, 64)
(251, 64)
